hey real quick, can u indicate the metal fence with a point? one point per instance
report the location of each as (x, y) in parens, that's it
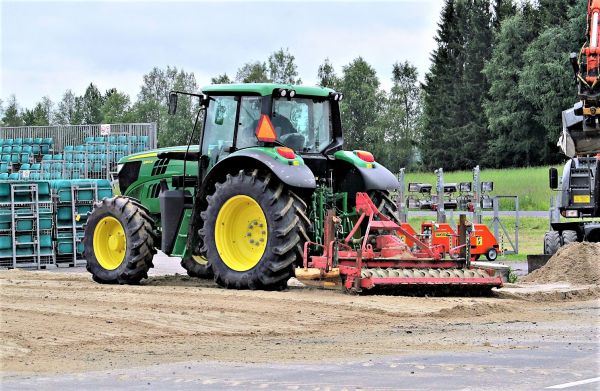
(64, 135)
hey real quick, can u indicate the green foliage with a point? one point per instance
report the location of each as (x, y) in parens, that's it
(12, 116)
(548, 85)
(282, 68)
(455, 88)
(512, 276)
(253, 72)
(515, 135)
(221, 79)
(362, 106)
(67, 111)
(91, 105)
(500, 107)
(401, 119)
(153, 99)
(41, 115)
(326, 75)
(116, 107)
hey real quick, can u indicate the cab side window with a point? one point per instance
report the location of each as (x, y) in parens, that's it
(219, 127)
(250, 109)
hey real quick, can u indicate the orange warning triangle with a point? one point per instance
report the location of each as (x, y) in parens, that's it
(265, 131)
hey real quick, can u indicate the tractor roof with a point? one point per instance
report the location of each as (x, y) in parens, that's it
(264, 89)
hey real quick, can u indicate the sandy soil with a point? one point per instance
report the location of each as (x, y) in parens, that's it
(55, 322)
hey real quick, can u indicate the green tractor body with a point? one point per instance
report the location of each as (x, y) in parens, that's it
(241, 201)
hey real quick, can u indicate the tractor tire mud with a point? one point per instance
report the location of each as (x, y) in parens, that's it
(140, 241)
(284, 231)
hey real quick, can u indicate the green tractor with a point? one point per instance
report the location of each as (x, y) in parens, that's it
(239, 205)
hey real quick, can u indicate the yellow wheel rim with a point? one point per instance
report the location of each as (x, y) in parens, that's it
(241, 233)
(109, 243)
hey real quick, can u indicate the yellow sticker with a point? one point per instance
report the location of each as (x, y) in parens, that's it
(441, 234)
(581, 199)
(479, 240)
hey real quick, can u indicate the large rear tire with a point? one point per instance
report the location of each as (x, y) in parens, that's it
(385, 202)
(251, 232)
(119, 240)
(551, 242)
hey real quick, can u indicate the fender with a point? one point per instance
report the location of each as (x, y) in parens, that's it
(374, 175)
(292, 172)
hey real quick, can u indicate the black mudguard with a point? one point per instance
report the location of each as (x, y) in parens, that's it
(378, 178)
(299, 176)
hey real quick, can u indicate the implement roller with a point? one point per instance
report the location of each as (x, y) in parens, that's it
(380, 258)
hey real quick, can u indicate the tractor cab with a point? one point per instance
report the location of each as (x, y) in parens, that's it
(297, 120)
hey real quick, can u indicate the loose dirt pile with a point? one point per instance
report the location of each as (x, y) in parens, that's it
(575, 263)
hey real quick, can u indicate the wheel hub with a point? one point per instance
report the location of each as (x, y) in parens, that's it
(110, 243)
(241, 233)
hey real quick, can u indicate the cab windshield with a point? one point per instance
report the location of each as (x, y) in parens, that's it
(303, 124)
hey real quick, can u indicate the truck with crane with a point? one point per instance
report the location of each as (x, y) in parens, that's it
(579, 190)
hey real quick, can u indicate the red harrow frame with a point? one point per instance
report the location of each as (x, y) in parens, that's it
(384, 259)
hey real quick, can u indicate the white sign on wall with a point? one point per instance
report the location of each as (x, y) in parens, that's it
(105, 129)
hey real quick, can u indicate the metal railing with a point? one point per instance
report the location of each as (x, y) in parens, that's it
(64, 135)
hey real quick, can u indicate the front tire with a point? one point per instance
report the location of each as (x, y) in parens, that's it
(251, 232)
(197, 266)
(551, 242)
(569, 236)
(119, 241)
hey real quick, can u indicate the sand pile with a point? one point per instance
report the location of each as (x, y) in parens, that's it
(575, 263)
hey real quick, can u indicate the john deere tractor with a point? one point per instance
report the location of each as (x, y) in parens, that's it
(240, 202)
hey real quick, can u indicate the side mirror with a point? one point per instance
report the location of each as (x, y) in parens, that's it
(172, 103)
(553, 177)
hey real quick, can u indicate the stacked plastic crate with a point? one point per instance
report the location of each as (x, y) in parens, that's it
(74, 200)
(25, 224)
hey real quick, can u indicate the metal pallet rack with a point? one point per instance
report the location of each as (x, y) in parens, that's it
(77, 200)
(30, 232)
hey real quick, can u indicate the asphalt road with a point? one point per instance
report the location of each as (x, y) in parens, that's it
(538, 366)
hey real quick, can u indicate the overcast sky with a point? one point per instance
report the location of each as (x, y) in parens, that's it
(48, 47)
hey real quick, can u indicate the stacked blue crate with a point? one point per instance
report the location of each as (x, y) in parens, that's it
(25, 224)
(74, 200)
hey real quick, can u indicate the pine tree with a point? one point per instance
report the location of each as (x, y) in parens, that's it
(12, 115)
(515, 135)
(326, 75)
(439, 91)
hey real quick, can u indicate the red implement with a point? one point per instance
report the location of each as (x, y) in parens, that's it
(389, 254)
